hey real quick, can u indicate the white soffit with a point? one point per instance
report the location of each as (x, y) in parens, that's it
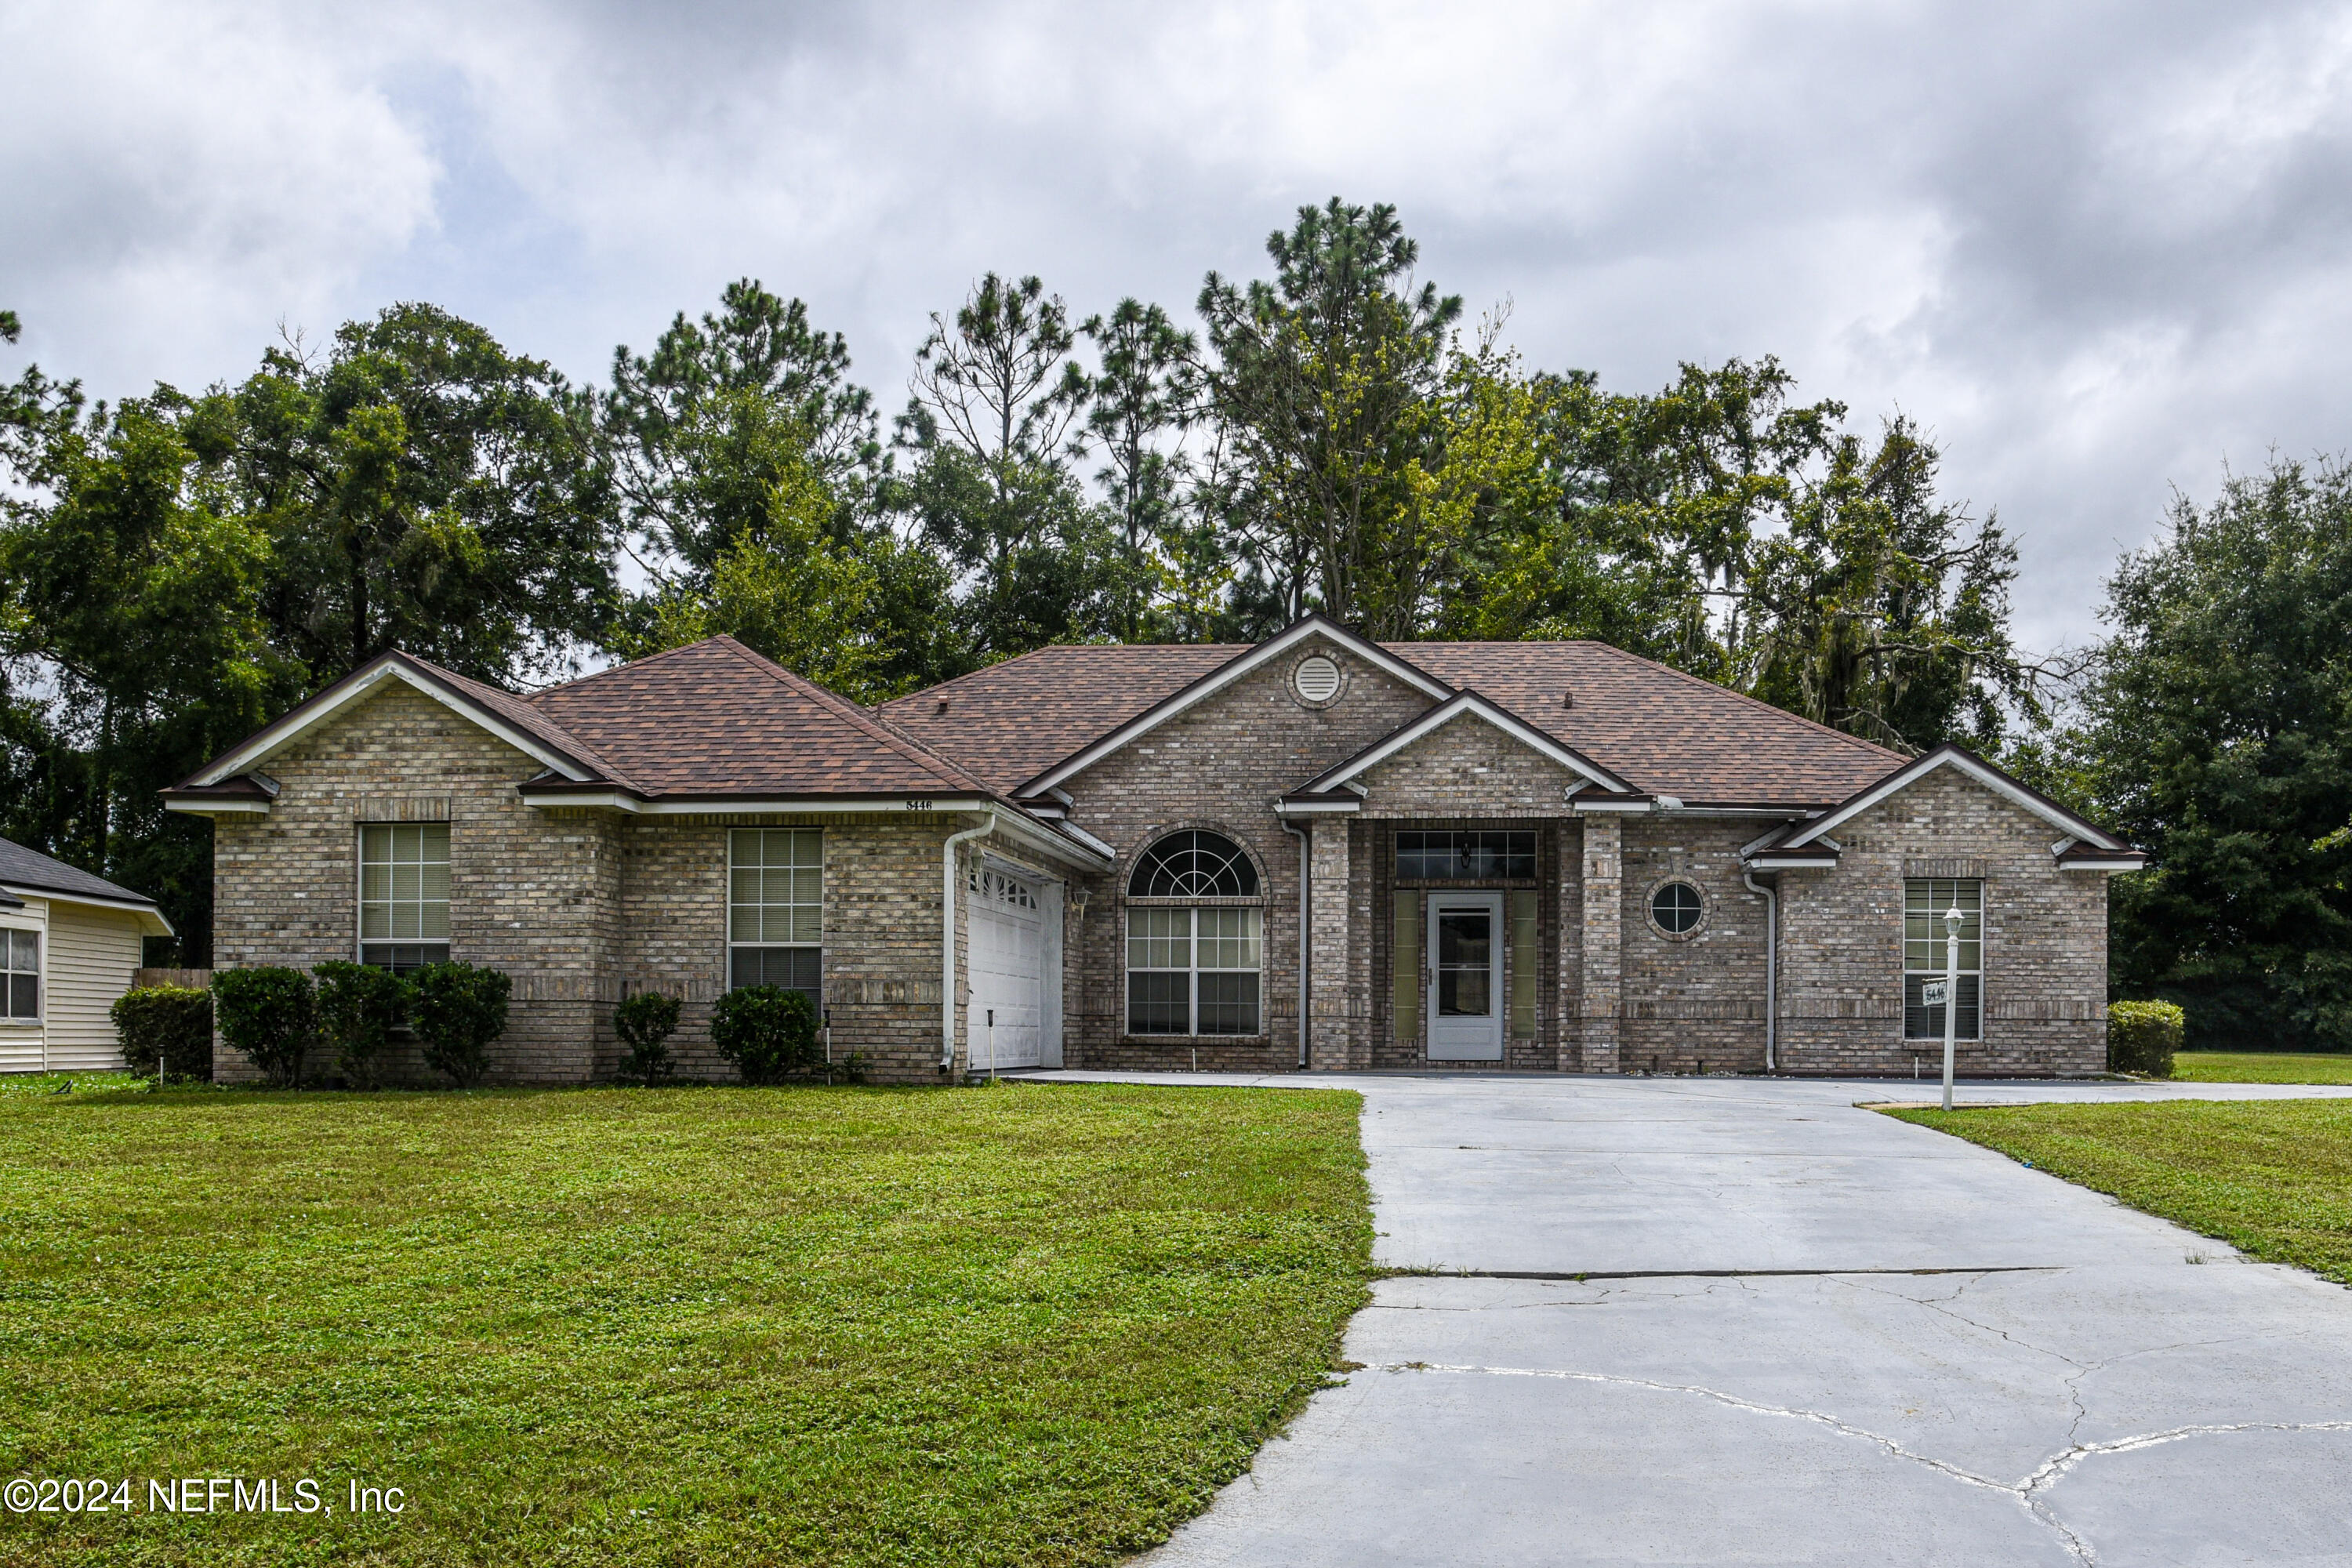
(1216, 681)
(1991, 778)
(277, 737)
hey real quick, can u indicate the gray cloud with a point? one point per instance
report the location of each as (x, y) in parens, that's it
(2098, 251)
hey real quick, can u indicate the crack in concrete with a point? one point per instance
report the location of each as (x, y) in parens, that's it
(2029, 1492)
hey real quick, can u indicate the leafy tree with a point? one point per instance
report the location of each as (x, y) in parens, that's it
(1320, 379)
(994, 394)
(703, 428)
(2219, 738)
(130, 583)
(790, 589)
(429, 491)
(1145, 391)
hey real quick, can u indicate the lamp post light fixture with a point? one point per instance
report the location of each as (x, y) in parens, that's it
(1953, 920)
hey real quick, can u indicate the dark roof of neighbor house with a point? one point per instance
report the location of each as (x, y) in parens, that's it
(715, 717)
(1664, 732)
(36, 872)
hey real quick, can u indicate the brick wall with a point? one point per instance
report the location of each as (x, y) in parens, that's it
(1693, 1003)
(2046, 952)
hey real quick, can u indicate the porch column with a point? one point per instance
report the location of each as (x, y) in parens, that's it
(1329, 1039)
(1603, 939)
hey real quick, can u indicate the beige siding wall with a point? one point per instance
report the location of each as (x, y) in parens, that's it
(88, 961)
(21, 1043)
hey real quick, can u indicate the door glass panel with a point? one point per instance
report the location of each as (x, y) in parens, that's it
(1405, 958)
(1465, 956)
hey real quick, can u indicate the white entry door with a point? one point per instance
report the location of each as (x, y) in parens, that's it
(1465, 977)
(1007, 957)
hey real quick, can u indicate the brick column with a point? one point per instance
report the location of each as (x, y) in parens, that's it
(1604, 934)
(1568, 1020)
(1330, 1038)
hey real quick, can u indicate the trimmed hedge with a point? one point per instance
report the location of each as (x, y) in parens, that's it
(645, 1022)
(2143, 1035)
(768, 1031)
(173, 1022)
(266, 1012)
(457, 1009)
(358, 1004)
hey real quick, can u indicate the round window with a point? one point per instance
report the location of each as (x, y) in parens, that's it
(1316, 678)
(1677, 908)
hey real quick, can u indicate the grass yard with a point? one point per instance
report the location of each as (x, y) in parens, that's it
(1027, 1324)
(2272, 1177)
(2260, 1067)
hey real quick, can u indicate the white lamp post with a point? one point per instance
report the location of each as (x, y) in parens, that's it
(1953, 920)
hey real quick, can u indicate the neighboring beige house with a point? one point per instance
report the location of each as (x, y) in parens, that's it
(1313, 851)
(70, 943)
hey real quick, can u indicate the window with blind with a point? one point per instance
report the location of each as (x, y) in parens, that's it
(775, 909)
(1926, 901)
(20, 975)
(404, 894)
(1193, 970)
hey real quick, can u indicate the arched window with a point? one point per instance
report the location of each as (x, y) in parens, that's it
(1193, 969)
(1193, 864)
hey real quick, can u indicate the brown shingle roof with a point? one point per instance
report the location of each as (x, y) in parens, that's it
(1012, 720)
(1666, 733)
(714, 718)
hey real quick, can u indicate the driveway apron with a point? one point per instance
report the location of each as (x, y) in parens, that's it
(1729, 1322)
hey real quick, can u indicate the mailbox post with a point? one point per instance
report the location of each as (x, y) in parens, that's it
(1953, 920)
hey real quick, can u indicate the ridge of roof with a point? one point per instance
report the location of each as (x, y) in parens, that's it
(520, 709)
(1756, 702)
(851, 714)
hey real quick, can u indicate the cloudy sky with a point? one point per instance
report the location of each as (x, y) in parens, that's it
(2101, 252)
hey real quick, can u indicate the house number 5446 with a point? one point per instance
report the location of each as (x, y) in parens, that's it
(919, 805)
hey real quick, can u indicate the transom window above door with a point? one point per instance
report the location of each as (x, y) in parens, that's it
(1477, 856)
(1193, 864)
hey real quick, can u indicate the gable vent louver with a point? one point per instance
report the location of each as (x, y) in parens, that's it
(1316, 678)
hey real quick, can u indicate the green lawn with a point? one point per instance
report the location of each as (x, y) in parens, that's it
(2260, 1067)
(1028, 1324)
(2270, 1177)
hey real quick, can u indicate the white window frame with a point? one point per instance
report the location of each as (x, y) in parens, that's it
(8, 973)
(1192, 968)
(1941, 892)
(448, 901)
(815, 991)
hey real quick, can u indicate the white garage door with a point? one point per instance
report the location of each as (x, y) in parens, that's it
(1008, 972)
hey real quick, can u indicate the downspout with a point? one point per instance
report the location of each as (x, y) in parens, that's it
(1771, 968)
(1306, 866)
(947, 902)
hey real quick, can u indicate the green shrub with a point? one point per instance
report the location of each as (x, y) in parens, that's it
(2142, 1036)
(645, 1022)
(172, 1022)
(358, 1004)
(266, 1013)
(768, 1031)
(457, 1009)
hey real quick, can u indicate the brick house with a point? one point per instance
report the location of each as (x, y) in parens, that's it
(1549, 857)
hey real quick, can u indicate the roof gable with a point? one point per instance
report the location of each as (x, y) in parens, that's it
(2077, 829)
(1208, 684)
(1465, 707)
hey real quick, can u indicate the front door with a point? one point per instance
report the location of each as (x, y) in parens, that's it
(1465, 977)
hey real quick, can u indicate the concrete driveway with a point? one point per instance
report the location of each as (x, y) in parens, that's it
(1803, 1333)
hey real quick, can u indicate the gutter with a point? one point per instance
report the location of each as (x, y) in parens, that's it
(1771, 968)
(1305, 866)
(947, 902)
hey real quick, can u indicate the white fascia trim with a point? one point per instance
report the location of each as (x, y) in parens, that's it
(1467, 702)
(1316, 807)
(1775, 863)
(219, 807)
(2064, 821)
(1088, 839)
(140, 907)
(691, 806)
(278, 736)
(1611, 807)
(2133, 864)
(1257, 657)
